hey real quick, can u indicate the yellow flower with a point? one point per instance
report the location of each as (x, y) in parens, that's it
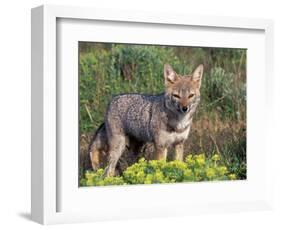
(232, 176)
(141, 160)
(222, 170)
(216, 157)
(147, 181)
(187, 173)
(210, 172)
(159, 175)
(189, 160)
(198, 173)
(200, 160)
(153, 163)
(89, 175)
(201, 155)
(89, 182)
(188, 157)
(140, 174)
(100, 183)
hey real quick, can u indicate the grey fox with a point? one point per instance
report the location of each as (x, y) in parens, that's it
(135, 119)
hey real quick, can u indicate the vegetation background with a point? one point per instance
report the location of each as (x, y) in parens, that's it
(219, 126)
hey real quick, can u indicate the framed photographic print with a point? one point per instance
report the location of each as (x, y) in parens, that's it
(137, 114)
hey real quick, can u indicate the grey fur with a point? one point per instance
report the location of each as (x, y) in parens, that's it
(163, 119)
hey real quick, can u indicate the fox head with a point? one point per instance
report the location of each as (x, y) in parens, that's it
(182, 92)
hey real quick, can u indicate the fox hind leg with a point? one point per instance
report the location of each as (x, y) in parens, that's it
(95, 158)
(97, 146)
(117, 145)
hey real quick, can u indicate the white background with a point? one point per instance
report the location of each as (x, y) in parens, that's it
(188, 195)
(15, 112)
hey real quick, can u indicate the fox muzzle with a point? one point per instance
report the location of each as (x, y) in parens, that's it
(184, 109)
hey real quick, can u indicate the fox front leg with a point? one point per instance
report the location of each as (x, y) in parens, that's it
(179, 152)
(161, 153)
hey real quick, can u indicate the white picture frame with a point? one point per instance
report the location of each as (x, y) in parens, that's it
(46, 185)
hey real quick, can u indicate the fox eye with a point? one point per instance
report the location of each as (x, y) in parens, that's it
(176, 96)
(191, 95)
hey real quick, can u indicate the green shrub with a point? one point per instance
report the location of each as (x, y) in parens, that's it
(97, 178)
(222, 90)
(110, 69)
(194, 168)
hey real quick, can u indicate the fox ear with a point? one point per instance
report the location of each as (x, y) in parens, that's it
(197, 74)
(169, 74)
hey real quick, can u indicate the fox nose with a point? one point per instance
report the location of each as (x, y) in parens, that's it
(184, 108)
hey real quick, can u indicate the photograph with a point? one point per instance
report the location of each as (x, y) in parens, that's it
(154, 114)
